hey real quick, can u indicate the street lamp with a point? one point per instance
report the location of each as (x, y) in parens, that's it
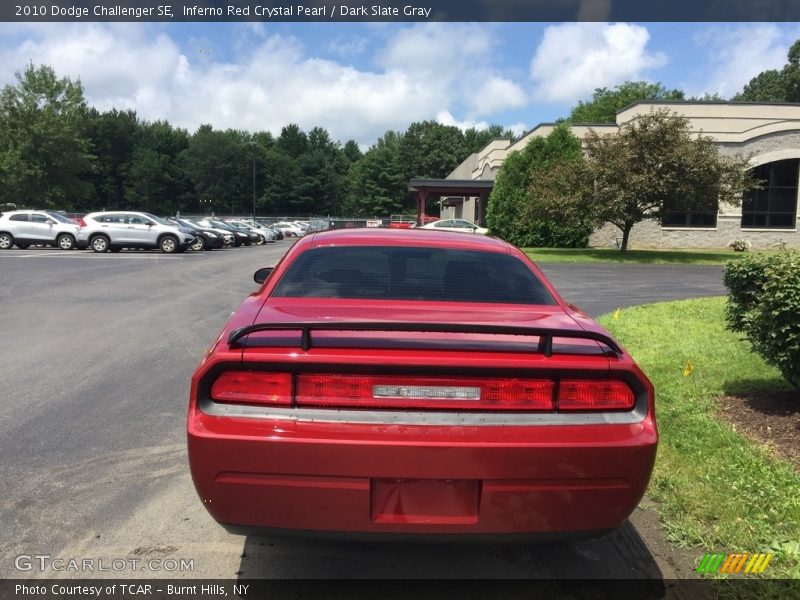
(253, 145)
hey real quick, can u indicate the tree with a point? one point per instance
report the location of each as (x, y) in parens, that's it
(44, 150)
(429, 149)
(112, 137)
(292, 141)
(519, 209)
(219, 165)
(605, 103)
(774, 85)
(476, 139)
(377, 185)
(654, 165)
(157, 179)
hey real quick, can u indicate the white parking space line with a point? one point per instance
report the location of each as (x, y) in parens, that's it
(96, 255)
(12, 255)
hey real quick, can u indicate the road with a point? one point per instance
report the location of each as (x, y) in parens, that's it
(97, 355)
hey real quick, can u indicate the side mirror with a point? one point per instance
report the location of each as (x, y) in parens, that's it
(261, 275)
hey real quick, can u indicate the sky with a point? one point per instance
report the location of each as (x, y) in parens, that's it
(358, 80)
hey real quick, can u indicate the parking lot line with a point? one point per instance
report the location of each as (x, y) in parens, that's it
(63, 254)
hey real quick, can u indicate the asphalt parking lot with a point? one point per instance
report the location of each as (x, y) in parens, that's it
(98, 351)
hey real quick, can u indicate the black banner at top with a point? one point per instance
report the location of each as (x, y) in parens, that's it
(391, 10)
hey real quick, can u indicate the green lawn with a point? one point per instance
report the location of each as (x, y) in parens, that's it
(717, 491)
(593, 255)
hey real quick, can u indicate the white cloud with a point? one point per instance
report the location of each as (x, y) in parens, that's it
(575, 58)
(736, 54)
(445, 118)
(348, 46)
(455, 60)
(496, 94)
(422, 71)
(517, 128)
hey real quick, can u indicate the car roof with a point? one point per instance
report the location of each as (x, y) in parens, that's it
(407, 237)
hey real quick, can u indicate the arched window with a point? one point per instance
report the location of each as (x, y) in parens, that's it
(775, 205)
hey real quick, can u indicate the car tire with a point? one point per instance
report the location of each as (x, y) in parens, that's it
(168, 244)
(6, 241)
(198, 244)
(65, 241)
(99, 243)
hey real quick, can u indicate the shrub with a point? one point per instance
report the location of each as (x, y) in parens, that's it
(764, 304)
(508, 212)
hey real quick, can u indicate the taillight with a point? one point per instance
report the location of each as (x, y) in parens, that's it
(330, 390)
(253, 387)
(594, 395)
(355, 391)
(81, 222)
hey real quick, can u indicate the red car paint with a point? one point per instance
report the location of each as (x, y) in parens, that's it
(395, 471)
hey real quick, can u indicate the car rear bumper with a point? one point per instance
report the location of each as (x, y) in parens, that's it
(257, 474)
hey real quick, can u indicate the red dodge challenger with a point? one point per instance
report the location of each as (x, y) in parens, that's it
(417, 383)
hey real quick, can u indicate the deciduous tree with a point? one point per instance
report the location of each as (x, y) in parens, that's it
(605, 103)
(655, 164)
(45, 155)
(525, 204)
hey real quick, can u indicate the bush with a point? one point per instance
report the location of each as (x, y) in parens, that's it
(508, 212)
(764, 304)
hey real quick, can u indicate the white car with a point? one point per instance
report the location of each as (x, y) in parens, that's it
(27, 227)
(456, 225)
(289, 229)
(115, 230)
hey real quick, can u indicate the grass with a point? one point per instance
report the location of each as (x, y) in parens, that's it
(717, 491)
(656, 257)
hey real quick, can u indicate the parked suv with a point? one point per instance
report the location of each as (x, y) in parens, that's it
(26, 227)
(102, 231)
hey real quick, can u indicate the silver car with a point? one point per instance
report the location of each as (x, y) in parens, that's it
(27, 227)
(115, 230)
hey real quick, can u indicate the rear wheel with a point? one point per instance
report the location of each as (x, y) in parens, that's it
(99, 243)
(6, 241)
(65, 241)
(198, 244)
(168, 244)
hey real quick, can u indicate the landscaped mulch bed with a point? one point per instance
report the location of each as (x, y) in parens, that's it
(771, 418)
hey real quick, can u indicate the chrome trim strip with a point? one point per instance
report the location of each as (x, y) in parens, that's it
(375, 417)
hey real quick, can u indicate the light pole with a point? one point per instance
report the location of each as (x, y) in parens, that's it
(253, 146)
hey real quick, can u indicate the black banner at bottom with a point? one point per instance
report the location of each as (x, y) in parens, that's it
(389, 589)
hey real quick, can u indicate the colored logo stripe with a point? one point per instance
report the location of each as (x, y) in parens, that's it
(734, 563)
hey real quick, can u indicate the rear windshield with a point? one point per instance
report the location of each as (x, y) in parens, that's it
(394, 273)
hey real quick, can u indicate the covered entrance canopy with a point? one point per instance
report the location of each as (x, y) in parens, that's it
(423, 188)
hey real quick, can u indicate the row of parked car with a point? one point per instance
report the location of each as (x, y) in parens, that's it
(114, 230)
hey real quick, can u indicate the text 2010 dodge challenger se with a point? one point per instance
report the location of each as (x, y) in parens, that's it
(410, 383)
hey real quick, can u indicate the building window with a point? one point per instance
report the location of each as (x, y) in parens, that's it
(775, 205)
(689, 218)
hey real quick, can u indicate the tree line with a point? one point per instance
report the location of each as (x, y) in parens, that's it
(57, 152)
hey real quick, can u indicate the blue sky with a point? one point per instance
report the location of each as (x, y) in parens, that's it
(360, 79)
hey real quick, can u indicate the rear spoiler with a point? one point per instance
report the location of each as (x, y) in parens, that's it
(545, 335)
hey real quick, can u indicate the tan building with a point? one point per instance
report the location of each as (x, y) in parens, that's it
(767, 217)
